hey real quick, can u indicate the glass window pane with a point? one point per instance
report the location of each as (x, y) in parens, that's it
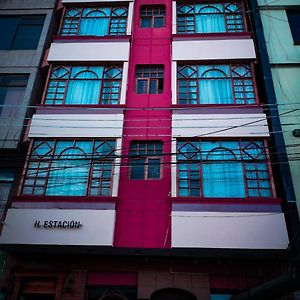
(142, 86)
(146, 22)
(137, 169)
(294, 21)
(27, 37)
(159, 22)
(8, 28)
(154, 168)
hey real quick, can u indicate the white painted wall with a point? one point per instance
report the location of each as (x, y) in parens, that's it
(174, 17)
(117, 168)
(213, 49)
(98, 227)
(76, 125)
(124, 83)
(130, 18)
(219, 125)
(229, 230)
(89, 51)
(174, 170)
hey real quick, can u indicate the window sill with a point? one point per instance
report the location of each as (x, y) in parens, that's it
(70, 199)
(211, 36)
(202, 200)
(91, 38)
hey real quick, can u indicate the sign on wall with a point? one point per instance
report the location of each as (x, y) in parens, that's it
(59, 227)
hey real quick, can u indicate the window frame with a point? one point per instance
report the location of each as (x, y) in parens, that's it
(159, 80)
(243, 162)
(13, 81)
(293, 28)
(103, 80)
(211, 3)
(232, 65)
(146, 157)
(91, 164)
(152, 17)
(23, 20)
(109, 33)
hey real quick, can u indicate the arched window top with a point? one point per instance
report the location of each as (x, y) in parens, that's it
(208, 9)
(86, 74)
(172, 294)
(214, 73)
(94, 13)
(73, 13)
(220, 153)
(72, 153)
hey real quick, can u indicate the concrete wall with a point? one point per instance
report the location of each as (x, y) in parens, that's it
(285, 65)
(24, 62)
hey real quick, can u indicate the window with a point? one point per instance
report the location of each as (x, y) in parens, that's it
(152, 16)
(213, 168)
(6, 181)
(20, 32)
(294, 21)
(149, 79)
(145, 159)
(210, 17)
(70, 168)
(216, 84)
(95, 21)
(84, 85)
(12, 91)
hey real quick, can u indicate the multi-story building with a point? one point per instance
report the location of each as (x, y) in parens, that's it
(280, 25)
(148, 174)
(24, 27)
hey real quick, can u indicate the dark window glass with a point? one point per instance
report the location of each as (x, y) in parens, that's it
(154, 168)
(6, 181)
(20, 32)
(149, 79)
(145, 160)
(12, 90)
(137, 169)
(294, 21)
(152, 16)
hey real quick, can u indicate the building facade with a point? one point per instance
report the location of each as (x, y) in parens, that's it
(149, 172)
(280, 22)
(25, 26)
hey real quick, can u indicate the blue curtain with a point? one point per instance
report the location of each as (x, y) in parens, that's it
(215, 91)
(95, 22)
(94, 26)
(214, 85)
(69, 173)
(209, 19)
(83, 92)
(223, 178)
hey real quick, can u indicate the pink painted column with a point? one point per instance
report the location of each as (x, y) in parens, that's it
(144, 208)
